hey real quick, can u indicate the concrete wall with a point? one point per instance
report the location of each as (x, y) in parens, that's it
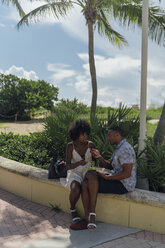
(141, 209)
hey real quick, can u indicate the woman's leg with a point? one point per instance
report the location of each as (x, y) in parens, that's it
(85, 198)
(89, 195)
(75, 190)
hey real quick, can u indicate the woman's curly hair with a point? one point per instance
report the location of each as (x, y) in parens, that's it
(79, 127)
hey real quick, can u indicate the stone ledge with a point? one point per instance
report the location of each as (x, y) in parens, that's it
(138, 196)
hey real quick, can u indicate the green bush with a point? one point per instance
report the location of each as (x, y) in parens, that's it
(152, 165)
(38, 148)
(77, 107)
(32, 150)
(56, 128)
(100, 127)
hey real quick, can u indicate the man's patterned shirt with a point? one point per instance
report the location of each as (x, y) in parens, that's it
(125, 154)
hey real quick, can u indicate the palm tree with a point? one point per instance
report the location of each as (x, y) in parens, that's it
(97, 13)
(159, 136)
(17, 5)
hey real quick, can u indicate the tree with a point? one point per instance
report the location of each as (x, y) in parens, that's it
(97, 13)
(159, 136)
(73, 105)
(20, 95)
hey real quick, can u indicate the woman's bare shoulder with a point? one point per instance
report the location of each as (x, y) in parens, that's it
(91, 144)
(70, 145)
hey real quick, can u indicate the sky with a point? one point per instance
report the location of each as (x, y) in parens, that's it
(57, 51)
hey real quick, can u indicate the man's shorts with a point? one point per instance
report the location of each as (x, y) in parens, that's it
(111, 186)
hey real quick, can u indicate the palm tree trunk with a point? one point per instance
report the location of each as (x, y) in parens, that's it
(92, 67)
(159, 136)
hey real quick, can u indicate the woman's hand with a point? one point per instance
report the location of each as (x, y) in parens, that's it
(83, 162)
(95, 153)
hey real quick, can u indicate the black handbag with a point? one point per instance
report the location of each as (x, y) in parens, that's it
(57, 169)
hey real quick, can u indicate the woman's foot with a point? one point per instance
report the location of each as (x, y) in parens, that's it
(80, 225)
(75, 216)
(92, 221)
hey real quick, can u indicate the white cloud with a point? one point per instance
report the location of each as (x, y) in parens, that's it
(118, 80)
(21, 73)
(2, 25)
(82, 84)
(54, 67)
(156, 83)
(77, 80)
(70, 84)
(106, 91)
(60, 72)
(112, 67)
(83, 56)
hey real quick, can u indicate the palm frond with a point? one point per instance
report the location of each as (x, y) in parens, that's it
(157, 25)
(129, 12)
(58, 8)
(17, 5)
(104, 28)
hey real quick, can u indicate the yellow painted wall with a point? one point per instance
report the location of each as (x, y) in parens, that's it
(147, 217)
(109, 209)
(15, 183)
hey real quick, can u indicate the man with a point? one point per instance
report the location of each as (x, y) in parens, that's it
(120, 181)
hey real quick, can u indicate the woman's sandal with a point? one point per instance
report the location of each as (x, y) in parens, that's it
(76, 218)
(91, 225)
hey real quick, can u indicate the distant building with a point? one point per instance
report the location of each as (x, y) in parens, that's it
(135, 106)
(151, 106)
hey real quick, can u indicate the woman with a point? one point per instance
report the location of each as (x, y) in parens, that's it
(78, 159)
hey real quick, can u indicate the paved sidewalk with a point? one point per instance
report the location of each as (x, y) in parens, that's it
(23, 223)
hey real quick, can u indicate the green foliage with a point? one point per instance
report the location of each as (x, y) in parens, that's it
(77, 107)
(151, 128)
(100, 127)
(152, 165)
(56, 127)
(32, 150)
(154, 113)
(21, 96)
(38, 148)
(56, 208)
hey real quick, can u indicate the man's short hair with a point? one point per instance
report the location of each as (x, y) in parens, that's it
(116, 129)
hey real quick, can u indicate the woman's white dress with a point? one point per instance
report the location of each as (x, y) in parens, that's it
(79, 172)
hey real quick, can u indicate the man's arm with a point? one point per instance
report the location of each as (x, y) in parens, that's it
(106, 163)
(126, 173)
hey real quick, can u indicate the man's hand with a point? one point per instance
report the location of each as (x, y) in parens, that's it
(103, 175)
(95, 153)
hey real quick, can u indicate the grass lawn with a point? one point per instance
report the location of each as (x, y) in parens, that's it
(151, 128)
(2, 125)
